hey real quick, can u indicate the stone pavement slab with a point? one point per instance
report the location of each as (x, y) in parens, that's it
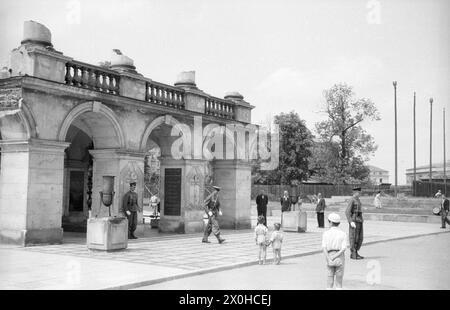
(152, 260)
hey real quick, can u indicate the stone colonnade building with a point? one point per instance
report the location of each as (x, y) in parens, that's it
(66, 124)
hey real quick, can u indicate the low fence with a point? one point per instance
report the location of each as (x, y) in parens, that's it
(274, 192)
(427, 189)
(327, 190)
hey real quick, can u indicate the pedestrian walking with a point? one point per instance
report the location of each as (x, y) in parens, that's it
(212, 210)
(276, 239)
(355, 220)
(444, 211)
(130, 207)
(261, 240)
(320, 210)
(261, 205)
(377, 200)
(334, 244)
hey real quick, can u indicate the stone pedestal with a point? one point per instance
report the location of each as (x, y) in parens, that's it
(107, 233)
(234, 178)
(294, 221)
(31, 191)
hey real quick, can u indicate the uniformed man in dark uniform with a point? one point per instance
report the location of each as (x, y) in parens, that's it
(130, 207)
(445, 206)
(212, 209)
(355, 220)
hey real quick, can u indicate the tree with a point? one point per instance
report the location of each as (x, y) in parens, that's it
(346, 146)
(295, 144)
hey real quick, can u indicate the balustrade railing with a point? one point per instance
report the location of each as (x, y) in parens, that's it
(92, 77)
(104, 80)
(219, 108)
(165, 95)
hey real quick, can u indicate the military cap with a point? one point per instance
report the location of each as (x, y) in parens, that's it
(217, 188)
(357, 189)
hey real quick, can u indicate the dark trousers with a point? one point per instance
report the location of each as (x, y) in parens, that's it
(320, 219)
(263, 211)
(212, 226)
(132, 223)
(356, 237)
(444, 218)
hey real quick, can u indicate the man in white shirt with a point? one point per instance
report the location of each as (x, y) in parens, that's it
(334, 243)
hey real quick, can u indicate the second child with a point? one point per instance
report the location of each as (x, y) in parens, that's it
(276, 239)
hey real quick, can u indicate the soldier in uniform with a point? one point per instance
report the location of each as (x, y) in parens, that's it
(444, 210)
(355, 220)
(130, 207)
(212, 209)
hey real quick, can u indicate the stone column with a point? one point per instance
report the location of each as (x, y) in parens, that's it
(31, 191)
(186, 179)
(234, 178)
(125, 166)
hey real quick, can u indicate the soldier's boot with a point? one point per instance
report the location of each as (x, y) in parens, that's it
(205, 240)
(353, 255)
(359, 256)
(220, 239)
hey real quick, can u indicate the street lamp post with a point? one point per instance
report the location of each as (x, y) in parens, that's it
(445, 161)
(414, 122)
(431, 144)
(395, 113)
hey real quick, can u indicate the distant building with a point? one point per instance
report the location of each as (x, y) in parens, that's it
(423, 172)
(378, 175)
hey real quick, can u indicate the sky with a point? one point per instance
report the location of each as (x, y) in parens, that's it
(280, 55)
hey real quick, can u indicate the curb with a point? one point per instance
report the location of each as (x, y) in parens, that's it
(248, 263)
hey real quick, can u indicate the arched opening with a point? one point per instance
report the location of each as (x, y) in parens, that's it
(86, 130)
(152, 178)
(158, 145)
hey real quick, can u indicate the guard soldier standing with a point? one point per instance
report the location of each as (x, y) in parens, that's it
(212, 209)
(130, 207)
(355, 220)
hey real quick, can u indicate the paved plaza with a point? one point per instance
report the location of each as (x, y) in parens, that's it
(406, 264)
(162, 257)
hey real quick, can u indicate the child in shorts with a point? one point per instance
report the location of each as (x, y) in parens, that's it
(260, 238)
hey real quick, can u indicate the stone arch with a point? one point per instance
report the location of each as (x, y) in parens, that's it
(164, 119)
(19, 120)
(96, 107)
